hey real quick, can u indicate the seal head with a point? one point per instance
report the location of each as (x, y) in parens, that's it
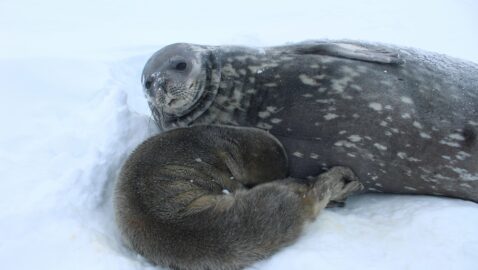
(181, 80)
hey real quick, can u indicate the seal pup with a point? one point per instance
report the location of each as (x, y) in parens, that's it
(216, 197)
(406, 121)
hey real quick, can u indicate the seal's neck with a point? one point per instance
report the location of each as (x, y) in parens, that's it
(238, 99)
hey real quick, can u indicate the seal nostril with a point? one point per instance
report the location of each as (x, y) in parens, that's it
(148, 84)
(172, 102)
(181, 66)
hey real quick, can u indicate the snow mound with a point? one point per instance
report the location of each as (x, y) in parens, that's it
(72, 109)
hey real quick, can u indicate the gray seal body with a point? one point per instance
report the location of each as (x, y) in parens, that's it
(406, 121)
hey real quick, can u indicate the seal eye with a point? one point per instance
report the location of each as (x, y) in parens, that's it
(148, 84)
(181, 66)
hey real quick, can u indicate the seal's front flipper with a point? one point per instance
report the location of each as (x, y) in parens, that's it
(339, 183)
(351, 51)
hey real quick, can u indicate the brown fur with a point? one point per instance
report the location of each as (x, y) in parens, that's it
(171, 206)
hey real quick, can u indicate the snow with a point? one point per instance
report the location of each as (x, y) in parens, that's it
(71, 110)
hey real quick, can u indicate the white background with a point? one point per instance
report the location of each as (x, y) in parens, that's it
(71, 109)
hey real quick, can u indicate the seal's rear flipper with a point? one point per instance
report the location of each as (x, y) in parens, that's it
(333, 204)
(350, 51)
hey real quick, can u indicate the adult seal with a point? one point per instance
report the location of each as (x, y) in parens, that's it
(404, 120)
(215, 197)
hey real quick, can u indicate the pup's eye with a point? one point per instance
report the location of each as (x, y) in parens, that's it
(181, 66)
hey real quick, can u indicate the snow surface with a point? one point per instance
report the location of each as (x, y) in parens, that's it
(71, 110)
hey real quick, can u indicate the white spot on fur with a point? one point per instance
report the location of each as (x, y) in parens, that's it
(324, 101)
(356, 87)
(263, 125)
(251, 91)
(314, 156)
(330, 116)
(298, 154)
(376, 106)
(270, 84)
(339, 85)
(452, 144)
(355, 138)
(410, 188)
(417, 125)
(264, 114)
(308, 95)
(261, 68)
(465, 185)
(406, 100)
(402, 155)
(406, 116)
(229, 70)
(425, 170)
(412, 159)
(345, 144)
(276, 120)
(456, 136)
(307, 80)
(272, 109)
(243, 58)
(464, 174)
(380, 147)
(442, 177)
(322, 89)
(198, 160)
(425, 135)
(462, 155)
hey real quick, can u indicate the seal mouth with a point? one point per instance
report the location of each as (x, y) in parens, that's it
(200, 102)
(179, 104)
